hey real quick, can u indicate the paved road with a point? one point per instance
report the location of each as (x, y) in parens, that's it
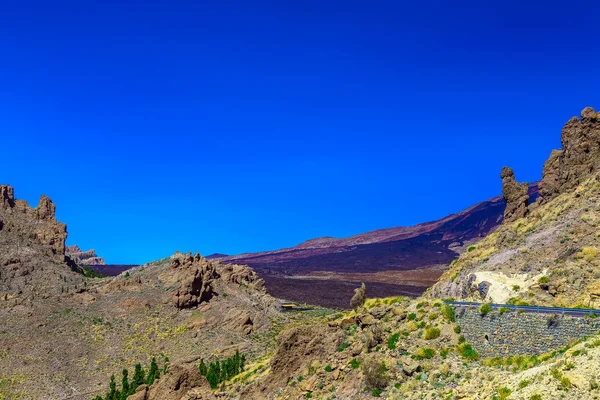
(578, 312)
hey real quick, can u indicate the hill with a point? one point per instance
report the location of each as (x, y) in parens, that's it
(394, 261)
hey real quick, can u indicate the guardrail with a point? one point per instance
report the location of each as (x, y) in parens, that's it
(536, 309)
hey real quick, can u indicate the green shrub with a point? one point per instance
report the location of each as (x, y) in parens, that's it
(448, 313)
(516, 288)
(432, 316)
(471, 248)
(412, 316)
(425, 353)
(461, 339)
(565, 382)
(392, 341)
(524, 383)
(376, 393)
(328, 368)
(504, 392)
(544, 279)
(536, 397)
(431, 333)
(457, 329)
(343, 346)
(466, 351)
(444, 353)
(502, 310)
(354, 363)
(484, 309)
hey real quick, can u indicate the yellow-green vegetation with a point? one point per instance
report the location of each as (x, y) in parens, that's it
(448, 313)
(431, 333)
(504, 392)
(484, 309)
(425, 353)
(467, 351)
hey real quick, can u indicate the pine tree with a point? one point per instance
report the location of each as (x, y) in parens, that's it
(111, 395)
(202, 367)
(153, 372)
(138, 378)
(165, 366)
(125, 385)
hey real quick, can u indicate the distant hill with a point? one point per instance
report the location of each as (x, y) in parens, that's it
(403, 248)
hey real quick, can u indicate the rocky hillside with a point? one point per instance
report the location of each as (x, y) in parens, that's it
(83, 257)
(546, 252)
(63, 334)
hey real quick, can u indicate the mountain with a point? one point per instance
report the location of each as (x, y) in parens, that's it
(402, 260)
(83, 257)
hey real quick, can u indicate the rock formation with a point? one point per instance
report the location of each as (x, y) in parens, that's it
(197, 277)
(182, 381)
(579, 157)
(32, 223)
(84, 257)
(515, 194)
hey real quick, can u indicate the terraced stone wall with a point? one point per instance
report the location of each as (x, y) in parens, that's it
(512, 333)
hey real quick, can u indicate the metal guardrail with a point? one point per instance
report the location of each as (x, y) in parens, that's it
(537, 309)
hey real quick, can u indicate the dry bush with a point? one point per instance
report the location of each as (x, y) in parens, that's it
(359, 298)
(375, 372)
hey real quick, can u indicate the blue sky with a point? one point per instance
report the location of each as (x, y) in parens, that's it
(244, 126)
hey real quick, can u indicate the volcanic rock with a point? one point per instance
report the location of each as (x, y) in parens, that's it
(515, 194)
(579, 157)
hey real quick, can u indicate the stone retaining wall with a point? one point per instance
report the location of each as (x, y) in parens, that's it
(514, 333)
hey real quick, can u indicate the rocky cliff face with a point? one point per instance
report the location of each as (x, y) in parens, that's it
(32, 247)
(548, 256)
(83, 257)
(32, 225)
(579, 157)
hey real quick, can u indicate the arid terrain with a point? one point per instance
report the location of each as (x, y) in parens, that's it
(64, 333)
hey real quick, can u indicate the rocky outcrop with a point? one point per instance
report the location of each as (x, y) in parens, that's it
(515, 194)
(182, 381)
(297, 349)
(38, 223)
(83, 257)
(579, 157)
(198, 276)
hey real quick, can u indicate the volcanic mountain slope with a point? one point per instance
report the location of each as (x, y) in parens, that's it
(395, 261)
(412, 348)
(402, 248)
(63, 334)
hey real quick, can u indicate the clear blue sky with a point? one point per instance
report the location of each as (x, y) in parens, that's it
(243, 126)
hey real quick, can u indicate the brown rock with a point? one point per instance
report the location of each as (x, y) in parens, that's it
(515, 194)
(579, 157)
(181, 381)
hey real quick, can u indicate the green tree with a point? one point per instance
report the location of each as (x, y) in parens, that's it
(111, 395)
(153, 372)
(138, 378)
(165, 365)
(125, 385)
(203, 368)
